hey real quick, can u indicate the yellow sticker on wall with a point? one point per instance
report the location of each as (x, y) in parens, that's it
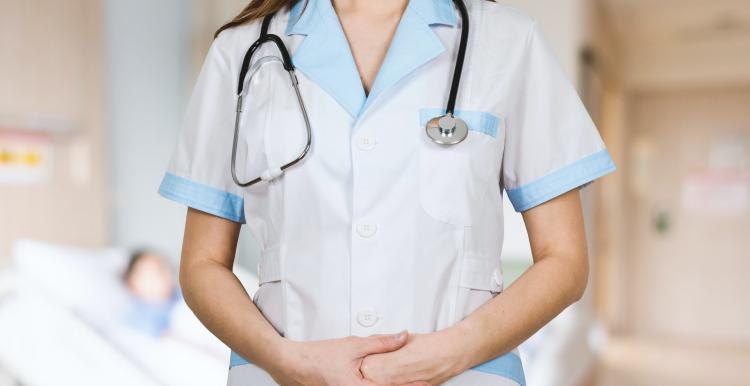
(25, 158)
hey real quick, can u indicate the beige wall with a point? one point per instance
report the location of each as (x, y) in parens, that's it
(677, 43)
(563, 23)
(686, 283)
(674, 300)
(208, 16)
(51, 66)
(609, 210)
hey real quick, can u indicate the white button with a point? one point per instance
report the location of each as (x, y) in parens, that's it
(367, 317)
(367, 229)
(366, 143)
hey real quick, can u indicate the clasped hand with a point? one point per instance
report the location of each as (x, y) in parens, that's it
(378, 360)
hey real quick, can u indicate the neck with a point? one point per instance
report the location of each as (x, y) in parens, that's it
(377, 7)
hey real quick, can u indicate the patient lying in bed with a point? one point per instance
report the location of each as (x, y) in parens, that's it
(154, 292)
(105, 311)
(156, 307)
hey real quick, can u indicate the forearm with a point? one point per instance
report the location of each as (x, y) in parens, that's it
(493, 329)
(221, 303)
(504, 322)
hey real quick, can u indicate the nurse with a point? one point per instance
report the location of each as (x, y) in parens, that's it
(381, 249)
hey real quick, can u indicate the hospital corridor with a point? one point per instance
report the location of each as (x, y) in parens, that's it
(93, 94)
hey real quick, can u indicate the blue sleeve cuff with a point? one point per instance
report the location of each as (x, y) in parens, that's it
(203, 197)
(579, 173)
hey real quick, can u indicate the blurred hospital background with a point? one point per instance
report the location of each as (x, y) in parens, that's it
(92, 94)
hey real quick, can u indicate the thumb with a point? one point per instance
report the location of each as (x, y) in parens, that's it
(382, 343)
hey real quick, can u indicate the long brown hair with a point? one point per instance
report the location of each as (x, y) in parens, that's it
(255, 10)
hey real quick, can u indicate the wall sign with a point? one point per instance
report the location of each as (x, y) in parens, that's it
(25, 158)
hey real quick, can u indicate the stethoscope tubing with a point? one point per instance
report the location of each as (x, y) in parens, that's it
(289, 67)
(459, 66)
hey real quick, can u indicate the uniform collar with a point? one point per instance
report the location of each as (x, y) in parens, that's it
(431, 11)
(435, 11)
(324, 55)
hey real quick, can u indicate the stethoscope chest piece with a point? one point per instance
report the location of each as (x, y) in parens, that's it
(447, 130)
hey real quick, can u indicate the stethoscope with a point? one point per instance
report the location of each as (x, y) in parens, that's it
(446, 129)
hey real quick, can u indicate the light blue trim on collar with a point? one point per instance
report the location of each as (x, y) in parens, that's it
(325, 57)
(579, 173)
(413, 45)
(435, 11)
(297, 23)
(432, 11)
(508, 365)
(480, 121)
(203, 197)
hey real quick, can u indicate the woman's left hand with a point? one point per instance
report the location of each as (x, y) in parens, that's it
(433, 357)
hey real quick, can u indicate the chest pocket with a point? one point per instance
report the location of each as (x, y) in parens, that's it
(454, 179)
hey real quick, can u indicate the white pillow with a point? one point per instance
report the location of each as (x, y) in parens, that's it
(85, 280)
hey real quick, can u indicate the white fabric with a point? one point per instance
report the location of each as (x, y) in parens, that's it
(378, 220)
(251, 374)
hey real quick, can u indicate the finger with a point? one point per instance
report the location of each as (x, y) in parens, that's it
(382, 343)
(367, 382)
(362, 381)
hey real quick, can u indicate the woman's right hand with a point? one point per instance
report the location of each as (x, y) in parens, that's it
(334, 362)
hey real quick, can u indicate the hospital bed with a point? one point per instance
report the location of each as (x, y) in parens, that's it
(59, 309)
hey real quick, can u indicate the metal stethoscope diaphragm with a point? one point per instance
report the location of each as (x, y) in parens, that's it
(446, 129)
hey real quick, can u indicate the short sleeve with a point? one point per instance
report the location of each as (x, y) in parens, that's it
(198, 174)
(552, 145)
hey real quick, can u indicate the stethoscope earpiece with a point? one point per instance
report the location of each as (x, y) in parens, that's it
(447, 129)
